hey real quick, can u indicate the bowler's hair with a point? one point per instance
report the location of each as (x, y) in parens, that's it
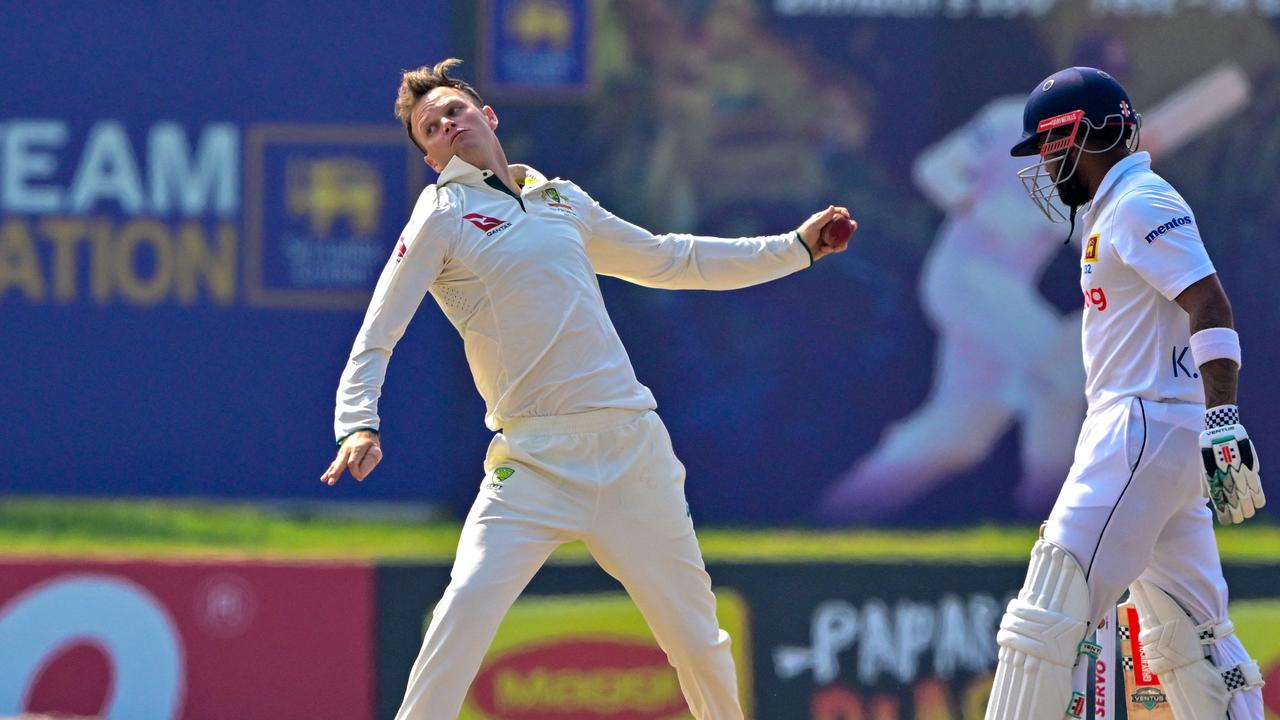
(414, 84)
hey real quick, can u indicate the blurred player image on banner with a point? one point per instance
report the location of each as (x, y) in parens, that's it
(511, 258)
(1004, 353)
(1159, 348)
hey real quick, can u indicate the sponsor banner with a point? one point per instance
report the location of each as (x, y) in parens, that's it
(229, 232)
(186, 641)
(878, 641)
(171, 228)
(321, 205)
(589, 657)
(826, 641)
(536, 48)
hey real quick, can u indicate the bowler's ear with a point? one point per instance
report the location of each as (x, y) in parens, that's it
(431, 163)
(491, 116)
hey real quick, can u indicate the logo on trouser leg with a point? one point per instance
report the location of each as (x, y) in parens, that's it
(499, 476)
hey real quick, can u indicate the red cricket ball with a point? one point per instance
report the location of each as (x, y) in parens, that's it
(836, 233)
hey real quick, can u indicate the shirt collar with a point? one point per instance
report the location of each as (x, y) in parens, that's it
(461, 171)
(1140, 161)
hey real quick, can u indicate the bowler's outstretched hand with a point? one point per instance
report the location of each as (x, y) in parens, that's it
(827, 231)
(360, 453)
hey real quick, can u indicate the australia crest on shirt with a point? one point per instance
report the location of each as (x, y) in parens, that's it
(558, 202)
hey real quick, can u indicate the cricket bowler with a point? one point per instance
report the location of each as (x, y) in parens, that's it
(1159, 346)
(511, 258)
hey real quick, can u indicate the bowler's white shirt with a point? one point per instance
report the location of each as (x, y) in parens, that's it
(1141, 249)
(519, 284)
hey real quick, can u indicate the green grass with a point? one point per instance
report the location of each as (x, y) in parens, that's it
(87, 528)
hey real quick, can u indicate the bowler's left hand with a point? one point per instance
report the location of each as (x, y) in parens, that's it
(360, 453)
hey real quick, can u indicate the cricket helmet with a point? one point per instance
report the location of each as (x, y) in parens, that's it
(1060, 113)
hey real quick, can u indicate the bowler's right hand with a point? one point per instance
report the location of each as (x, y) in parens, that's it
(360, 453)
(810, 231)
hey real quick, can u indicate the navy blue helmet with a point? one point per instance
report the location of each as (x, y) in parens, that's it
(1054, 103)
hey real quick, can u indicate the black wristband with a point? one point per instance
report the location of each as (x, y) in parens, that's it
(1221, 416)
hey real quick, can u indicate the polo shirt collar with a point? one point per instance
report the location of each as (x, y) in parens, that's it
(463, 172)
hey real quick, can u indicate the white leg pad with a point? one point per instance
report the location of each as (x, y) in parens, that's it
(1177, 651)
(1039, 639)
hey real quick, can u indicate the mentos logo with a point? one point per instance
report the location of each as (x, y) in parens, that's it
(1176, 222)
(580, 678)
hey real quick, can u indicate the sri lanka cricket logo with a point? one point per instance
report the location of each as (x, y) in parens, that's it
(1091, 248)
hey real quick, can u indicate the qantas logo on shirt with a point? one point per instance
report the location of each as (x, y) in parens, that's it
(400, 249)
(489, 225)
(1176, 222)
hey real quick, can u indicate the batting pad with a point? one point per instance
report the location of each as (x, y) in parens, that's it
(1039, 638)
(1177, 653)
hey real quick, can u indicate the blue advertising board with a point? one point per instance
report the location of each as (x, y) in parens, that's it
(195, 202)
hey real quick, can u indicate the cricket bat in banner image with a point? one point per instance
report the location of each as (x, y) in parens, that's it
(1195, 108)
(1145, 697)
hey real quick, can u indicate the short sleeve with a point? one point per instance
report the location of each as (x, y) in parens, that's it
(1155, 233)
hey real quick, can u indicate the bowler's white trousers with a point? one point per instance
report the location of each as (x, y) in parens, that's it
(607, 477)
(1132, 507)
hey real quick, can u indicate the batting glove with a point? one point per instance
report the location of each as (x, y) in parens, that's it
(1231, 467)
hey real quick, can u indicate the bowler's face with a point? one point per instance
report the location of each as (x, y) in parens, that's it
(447, 123)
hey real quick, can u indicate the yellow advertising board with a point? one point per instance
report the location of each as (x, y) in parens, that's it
(590, 657)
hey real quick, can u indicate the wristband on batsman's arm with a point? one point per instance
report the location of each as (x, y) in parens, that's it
(1221, 416)
(1216, 343)
(353, 432)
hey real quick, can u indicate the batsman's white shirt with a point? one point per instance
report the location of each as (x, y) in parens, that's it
(518, 281)
(1141, 249)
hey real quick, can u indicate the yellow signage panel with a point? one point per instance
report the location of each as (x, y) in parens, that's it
(590, 657)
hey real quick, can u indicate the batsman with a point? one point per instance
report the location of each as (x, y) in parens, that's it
(511, 258)
(1159, 346)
